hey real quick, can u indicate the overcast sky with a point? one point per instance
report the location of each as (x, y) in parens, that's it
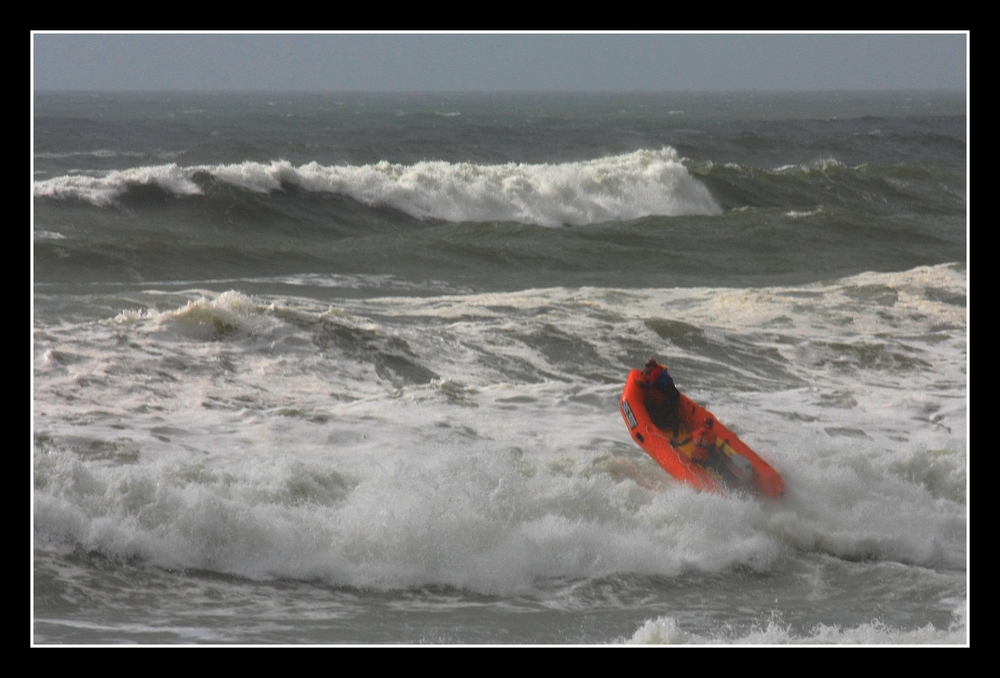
(499, 62)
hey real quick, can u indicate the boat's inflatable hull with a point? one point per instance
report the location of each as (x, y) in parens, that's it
(735, 466)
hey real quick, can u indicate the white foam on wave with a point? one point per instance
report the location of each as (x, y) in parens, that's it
(612, 188)
(208, 317)
(464, 515)
(820, 165)
(261, 438)
(105, 190)
(668, 631)
(48, 235)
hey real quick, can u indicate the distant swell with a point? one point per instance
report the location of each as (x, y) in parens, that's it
(615, 188)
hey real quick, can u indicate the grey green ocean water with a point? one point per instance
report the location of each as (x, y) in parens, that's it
(330, 369)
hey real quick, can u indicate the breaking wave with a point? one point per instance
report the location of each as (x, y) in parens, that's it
(614, 188)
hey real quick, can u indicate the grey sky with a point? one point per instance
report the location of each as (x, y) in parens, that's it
(500, 62)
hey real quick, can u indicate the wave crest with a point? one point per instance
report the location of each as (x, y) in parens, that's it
(613, 188)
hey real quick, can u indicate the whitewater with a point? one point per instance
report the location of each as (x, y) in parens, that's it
(348, 372)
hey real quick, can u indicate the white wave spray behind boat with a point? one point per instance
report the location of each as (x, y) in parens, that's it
(472, 441)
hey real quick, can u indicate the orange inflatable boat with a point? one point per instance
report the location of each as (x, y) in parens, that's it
(731, 466)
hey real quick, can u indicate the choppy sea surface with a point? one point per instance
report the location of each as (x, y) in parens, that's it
(345, 368)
